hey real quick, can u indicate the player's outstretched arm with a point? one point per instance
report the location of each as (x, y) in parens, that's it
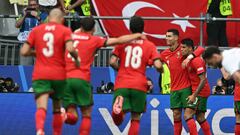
(236, 76)
(73, 52)
(199, 51)
(27, 51)
(123, 39)
(114, 62)
(158, 65)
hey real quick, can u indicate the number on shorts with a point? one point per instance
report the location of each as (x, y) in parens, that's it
(133, 56)
(49, 39)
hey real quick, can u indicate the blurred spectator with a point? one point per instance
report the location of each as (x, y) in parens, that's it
(47, 5)
(8, 85)
(30, 18)
(224, 87)
(76, 8)
(105, 87)
(150, 85)
(216, 30)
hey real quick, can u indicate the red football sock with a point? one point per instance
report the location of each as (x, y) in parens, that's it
(85, 126)
(192, 126)
(177, 127)
(237, 129)
(134, 128)
(118, 118)
(57, 124)
(71, 119)
(40, 117)
(206, 128)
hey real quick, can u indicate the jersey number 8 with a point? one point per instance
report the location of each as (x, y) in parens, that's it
(133, 56)
(49, 39)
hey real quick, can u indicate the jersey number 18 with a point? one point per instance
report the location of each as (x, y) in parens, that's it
(133, 56)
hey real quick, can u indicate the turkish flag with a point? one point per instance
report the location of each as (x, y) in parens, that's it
(156, 29)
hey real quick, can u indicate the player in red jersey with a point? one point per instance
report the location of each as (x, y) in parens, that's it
(180, 83)
(200, 87)
(131, 82)
(49, 41)
(79, 92)
(227, 76)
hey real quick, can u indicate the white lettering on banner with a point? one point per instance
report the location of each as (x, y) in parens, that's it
(219, 115)
(131, 8)
(109, 121)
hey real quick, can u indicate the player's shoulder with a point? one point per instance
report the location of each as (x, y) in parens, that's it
(198, 60)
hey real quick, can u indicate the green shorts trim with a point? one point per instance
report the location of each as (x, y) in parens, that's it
(237, 107)
(78, 92)
(134, 100)
(56, 88)
(202, 104)
(178, 99)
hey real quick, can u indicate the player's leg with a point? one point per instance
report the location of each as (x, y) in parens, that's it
(237, 113)
(69, 103)
(57, 122)
(189, 111)
(176, 106)
(121, 104)
(135, 124)
(200, 115)
(86, 121)
(42, 89)
(138, 106)
(59, 87)
(84, 99)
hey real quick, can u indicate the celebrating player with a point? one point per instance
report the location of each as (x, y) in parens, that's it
(49, 41)
(79, 91)
(180, 83)
(200, 87)
(131, 82)
(229, 62)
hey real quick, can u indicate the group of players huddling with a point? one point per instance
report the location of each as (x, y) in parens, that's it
(62, 72)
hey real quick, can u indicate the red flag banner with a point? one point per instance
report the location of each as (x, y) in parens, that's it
(156, 29)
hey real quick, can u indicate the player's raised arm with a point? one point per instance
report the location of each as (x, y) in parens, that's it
(123, 39)
(158, 65)
(72, 52)
(198, 51)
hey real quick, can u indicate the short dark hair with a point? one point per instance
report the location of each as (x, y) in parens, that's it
(136, 24)
(210, 51)
(87, 23)
(188, 42)
(174, 31)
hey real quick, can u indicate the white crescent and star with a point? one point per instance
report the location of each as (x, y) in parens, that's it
(131, 9)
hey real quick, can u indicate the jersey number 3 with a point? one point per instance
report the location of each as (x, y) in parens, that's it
(133, 56)
(49, 39)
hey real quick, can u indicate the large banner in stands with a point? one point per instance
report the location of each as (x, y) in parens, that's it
(17, 116)
(156, 29)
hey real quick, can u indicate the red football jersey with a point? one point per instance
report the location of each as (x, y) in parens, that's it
(49, 42)
(134, 57)
(179, 75)
(196, 67)
(86, 46)
(237, 92)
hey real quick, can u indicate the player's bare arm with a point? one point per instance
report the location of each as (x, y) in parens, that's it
(225, 74)
(76, 4)
(27, 51)
(158, 65)
(199, 51)
(192, 98)
(72, 52)
(123, 39)
(114, 62)
(236, 76)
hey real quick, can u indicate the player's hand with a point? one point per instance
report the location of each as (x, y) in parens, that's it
(185, 63)
(144, 37)
(191, 99)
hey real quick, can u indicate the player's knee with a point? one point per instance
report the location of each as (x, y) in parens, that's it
(135, 116)
(200, 119)
(237, 118)
(177, 115)
(86, 112)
